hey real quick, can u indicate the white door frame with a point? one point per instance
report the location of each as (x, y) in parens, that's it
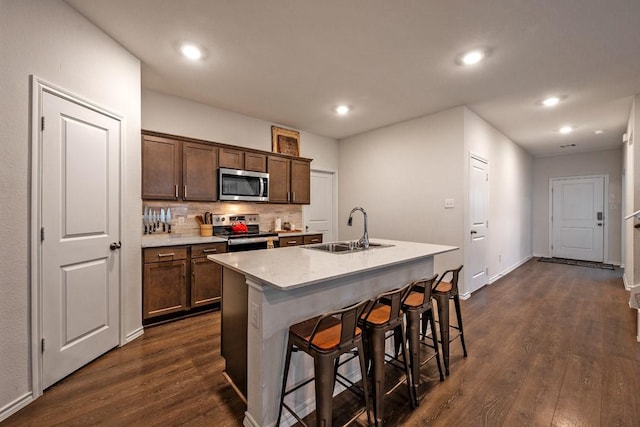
(605, 198)
(38, 86)
(334, 190)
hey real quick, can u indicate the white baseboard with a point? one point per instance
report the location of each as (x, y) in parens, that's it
(509, 269)
(626, 281)
(539, 255)
(13, 407)
(133, 335)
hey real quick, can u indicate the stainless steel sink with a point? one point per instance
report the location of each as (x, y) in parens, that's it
(345, 247)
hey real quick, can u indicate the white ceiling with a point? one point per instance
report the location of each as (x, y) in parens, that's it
(291, 61)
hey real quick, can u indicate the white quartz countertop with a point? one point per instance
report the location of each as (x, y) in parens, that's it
(297, 266)
(176, 239)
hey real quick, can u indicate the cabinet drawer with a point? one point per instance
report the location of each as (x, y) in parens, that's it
(168, 253)
(290, 241)
(313, 238)
(199, 251)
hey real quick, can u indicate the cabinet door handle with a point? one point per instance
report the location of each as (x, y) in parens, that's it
(166, 255)
(206, 251)
(315, 240)
(293, 196)
(292, 242)
(185, 191)
(176, 190)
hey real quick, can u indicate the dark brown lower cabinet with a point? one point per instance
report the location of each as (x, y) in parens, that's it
(179, 279)
(206, 276)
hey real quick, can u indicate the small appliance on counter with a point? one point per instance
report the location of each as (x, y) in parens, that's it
(242, 231)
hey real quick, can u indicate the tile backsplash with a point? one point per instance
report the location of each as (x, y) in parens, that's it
(183, 213)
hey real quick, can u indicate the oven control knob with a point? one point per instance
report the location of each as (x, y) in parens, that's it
(222, 219)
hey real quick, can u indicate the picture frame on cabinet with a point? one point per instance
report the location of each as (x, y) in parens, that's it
(285, 141)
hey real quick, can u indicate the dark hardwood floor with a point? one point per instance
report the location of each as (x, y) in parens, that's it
(549, 345)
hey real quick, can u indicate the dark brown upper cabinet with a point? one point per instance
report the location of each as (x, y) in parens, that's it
(239, 159)
(289, 180)
(178, 170)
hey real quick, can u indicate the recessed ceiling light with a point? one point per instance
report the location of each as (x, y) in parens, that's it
(566, 129)
(598, 131)
(191, 51)
(551, 101)
(472, 57)
(343, 109)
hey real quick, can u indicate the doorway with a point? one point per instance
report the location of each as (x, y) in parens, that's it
(320, 214)
(577, 216)
(76, 164)
(478, 224)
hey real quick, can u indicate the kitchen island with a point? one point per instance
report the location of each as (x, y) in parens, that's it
(266, 291)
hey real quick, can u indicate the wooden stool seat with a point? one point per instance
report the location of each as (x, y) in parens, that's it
(326, 338)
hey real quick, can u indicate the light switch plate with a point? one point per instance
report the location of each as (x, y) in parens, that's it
(449, 203)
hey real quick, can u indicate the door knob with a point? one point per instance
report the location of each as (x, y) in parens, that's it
(599, 224)
(115, 246)
(473, 231)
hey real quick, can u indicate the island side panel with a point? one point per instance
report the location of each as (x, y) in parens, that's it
(233, 326)
(276, 310)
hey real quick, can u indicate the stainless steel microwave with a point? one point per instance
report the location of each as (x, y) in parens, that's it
(241, 185)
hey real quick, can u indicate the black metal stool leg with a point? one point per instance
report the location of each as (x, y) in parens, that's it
(324, 383)
(443, 318)
(456, 301)
(287, 361)
(407, 371)
(434, 337)
(413, 335)
(377, 341)
(365, 387)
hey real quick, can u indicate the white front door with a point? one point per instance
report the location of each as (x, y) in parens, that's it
(80, 220)
(578, 218)
(478, 216)
(318, 215)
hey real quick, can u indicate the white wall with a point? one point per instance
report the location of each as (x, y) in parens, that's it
(50, 40)
(510, 194)
(178, 116)
(401, 174)
(632, 197)
(582, 164)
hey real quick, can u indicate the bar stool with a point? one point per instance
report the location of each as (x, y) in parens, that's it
(443, 292)
(385, 315)
(326, 338)
(418, 305)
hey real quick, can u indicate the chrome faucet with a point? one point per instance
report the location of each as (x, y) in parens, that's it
(364, 240)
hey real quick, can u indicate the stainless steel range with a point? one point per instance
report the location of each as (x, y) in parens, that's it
(242, 231)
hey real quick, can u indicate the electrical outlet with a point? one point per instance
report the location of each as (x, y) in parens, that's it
(255, 319)
(180, 220)
(449, 203)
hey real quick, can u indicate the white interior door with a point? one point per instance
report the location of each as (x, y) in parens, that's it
(318, 215)
(80, 220)
(578, 218)
(478, 216)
